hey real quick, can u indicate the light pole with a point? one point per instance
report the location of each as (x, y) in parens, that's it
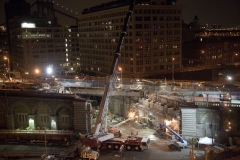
(234, 57)
(172, 70)
(207, 98)
(6, 58)
(172, 74)
(210, 127)
(37, 72)
(120, 69)
(7, 63)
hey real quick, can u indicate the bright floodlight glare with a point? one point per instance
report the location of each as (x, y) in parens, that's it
(49, 70)
(229, 77)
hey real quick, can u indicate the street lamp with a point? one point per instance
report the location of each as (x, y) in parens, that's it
(120, 69)
(172, 73)
(234, 57)
(6, 58)
(229, 78)
(36, 72)
(173, 70)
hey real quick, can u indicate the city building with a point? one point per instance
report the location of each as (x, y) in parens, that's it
(212, 47)
(4, 65)
(39, 43)
(152, 44)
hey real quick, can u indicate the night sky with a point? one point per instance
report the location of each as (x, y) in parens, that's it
(224, 12)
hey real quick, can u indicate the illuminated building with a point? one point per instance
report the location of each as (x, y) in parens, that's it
(39, 40)
(153, 38)
(212, 47)
(3, 48)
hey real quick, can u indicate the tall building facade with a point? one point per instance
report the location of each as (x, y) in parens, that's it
(152, 44)
(42, 47)
(212, 47)
(38, 41)
(4, 65)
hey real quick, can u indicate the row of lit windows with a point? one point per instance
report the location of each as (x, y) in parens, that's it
(136, 11)
(157, 11)
(138, 69)
(138, 48)
(39, 31)
(155, 40)
(154, 54)
(137, 26)
(70, 46)
(54, 50)
(113, 14)
(154, 68)
(137, 33)
(150, 61)
(101, 60)
(218, 34)
(52, 40)
(157, 18)
(137, 18)
(124, 54)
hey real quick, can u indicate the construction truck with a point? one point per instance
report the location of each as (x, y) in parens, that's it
(130, 143)
(84, 152)
(179, 143)
(99, 136)
(87, 153)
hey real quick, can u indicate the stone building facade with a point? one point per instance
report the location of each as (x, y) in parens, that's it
(22, 110)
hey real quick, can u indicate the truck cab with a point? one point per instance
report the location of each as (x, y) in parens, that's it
(88, 153)
(145, 143)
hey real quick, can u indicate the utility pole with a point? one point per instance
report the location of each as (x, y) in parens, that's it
(172, 70)
(172, 87)
(210, 126)
(207, 98)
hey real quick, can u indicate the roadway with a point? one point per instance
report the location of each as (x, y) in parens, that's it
(158, 150)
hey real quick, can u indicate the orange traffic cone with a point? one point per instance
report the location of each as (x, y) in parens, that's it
(190, 153)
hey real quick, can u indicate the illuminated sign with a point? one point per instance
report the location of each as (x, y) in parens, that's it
(28, 25)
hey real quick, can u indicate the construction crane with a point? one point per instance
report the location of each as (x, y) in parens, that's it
(100, 137)
(99, 132)
(179, 143)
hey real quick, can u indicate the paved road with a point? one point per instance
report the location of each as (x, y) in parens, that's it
(158, 151)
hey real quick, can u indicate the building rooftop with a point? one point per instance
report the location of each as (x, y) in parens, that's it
(119, 3)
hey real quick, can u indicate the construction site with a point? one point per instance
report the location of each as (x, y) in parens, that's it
(143, 120)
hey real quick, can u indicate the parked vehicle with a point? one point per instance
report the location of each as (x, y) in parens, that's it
(29, 86)
(45, 86)
(11, 85)
(204, 84)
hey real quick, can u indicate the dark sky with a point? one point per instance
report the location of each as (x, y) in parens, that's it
(225, 12)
